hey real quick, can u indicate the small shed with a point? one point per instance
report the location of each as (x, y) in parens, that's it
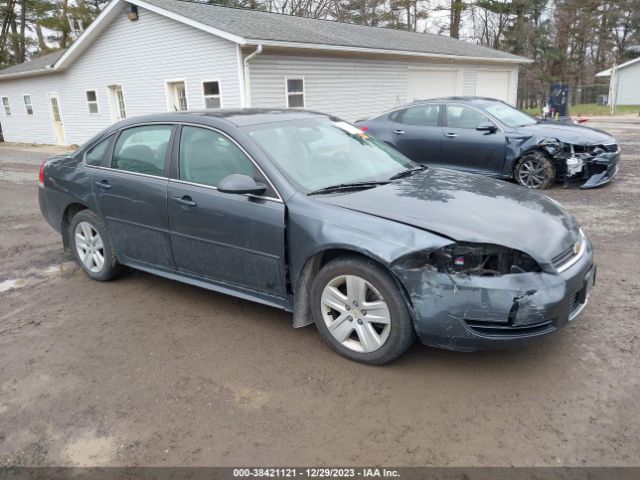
(624, 83)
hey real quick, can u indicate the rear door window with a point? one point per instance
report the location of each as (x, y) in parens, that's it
(142, 149)
(422, 115)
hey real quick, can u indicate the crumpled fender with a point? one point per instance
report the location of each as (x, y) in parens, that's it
(519, 145)
(308, 237)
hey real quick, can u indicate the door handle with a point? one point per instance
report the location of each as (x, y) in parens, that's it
(450, 135)
(398, 132)
(104, 185)
(185, 201)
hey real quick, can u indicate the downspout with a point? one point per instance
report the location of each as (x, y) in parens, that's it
(247, 74)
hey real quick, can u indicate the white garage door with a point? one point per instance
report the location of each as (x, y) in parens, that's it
(432, 84)
(494, 84)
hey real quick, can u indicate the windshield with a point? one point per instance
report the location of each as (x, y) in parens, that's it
(322, 152)
(508, 115)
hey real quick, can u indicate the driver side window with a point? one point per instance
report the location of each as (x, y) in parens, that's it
(459, 116)
(206, 157)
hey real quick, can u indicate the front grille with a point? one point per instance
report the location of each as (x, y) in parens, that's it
(497, 329)
(610, 148)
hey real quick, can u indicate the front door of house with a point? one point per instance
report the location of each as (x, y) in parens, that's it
(177, 96)
(116, 102)
(56, 117)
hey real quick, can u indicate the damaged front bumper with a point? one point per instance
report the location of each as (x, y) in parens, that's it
(601, 169)
(467, 313)
(591, 167)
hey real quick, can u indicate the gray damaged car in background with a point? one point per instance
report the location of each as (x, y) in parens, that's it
(489, 137)
(582, 156)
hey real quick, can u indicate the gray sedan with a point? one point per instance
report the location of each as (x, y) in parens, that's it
(489, 137)
(307, 213)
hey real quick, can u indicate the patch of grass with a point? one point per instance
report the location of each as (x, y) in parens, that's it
(593, 109)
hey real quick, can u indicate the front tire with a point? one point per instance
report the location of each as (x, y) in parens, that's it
(360, 311)
(534, 170)
(92, 248)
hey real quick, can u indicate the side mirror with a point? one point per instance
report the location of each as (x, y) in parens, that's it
(240, 184)
(486, 127)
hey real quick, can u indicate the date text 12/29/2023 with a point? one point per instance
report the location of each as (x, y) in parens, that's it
(320, 472)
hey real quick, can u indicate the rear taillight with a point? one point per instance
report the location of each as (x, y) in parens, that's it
(363, 128)
(41, 173)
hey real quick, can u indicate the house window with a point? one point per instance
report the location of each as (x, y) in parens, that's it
(92, 101)
(28, 104)
(76, 26)
(211, 93)
(295, 92)
(7, 107)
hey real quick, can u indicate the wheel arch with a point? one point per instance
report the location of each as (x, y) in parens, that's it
(67, 216)
(534, 149)
(302, 315)
(538, 150)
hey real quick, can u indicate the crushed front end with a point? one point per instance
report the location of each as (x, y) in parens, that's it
(585, 166)
(471, 297)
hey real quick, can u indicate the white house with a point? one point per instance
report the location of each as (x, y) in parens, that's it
(146, 56)
(624, 83)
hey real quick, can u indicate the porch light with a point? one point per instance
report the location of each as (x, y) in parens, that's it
(132, 12)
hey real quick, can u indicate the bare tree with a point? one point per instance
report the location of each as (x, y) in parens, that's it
(457, 6)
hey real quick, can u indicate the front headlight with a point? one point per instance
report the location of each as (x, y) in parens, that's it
(482, 260)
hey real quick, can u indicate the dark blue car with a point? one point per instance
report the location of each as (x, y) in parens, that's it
(489, 137)
(304, 212)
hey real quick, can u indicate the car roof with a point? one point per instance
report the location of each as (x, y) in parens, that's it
(238, 117)
(457, 99)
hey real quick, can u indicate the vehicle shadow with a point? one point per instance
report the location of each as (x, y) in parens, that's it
(272, 328)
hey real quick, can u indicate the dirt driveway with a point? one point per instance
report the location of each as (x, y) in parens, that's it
(146, 371)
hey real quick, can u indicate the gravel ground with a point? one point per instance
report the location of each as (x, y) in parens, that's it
(147, 371)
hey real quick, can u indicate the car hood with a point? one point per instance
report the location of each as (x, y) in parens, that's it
(572, 134)
(470, 208)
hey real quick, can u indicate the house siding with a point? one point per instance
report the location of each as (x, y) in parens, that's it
(138, 55)
(628, 85)
(349, 88)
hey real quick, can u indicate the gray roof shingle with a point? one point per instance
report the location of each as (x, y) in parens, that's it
(37, 64)
(256, 25)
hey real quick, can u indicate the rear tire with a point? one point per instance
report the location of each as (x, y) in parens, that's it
(91, 247)
(360, 311)
(534, 170)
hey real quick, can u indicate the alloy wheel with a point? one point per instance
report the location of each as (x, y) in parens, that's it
(355, 313)
(89, 247)
(532, 173)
